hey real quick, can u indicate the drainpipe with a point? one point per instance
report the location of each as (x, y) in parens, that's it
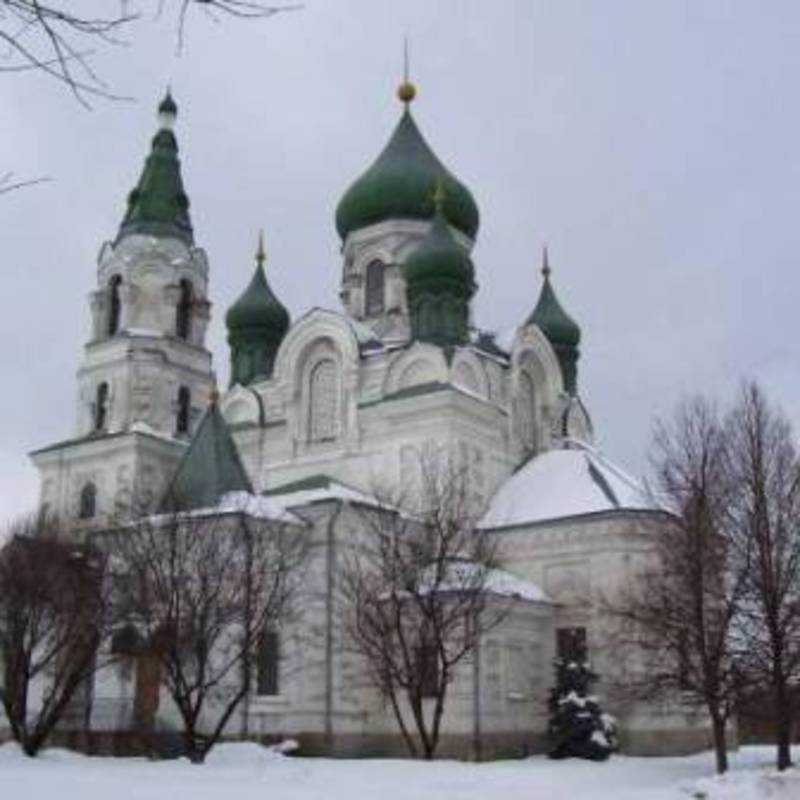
(330, 566)
(477, 744)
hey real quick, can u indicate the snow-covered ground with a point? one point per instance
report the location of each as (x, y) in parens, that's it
(249, 772)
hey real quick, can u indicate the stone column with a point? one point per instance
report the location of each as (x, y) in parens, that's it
(172, 296)
(128, 295)
(201, 315)
(98, 305)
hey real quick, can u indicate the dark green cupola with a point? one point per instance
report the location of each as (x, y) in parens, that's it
(158, 205)
(399, 184)
(440, 282)
(257, 323)
(560, 329)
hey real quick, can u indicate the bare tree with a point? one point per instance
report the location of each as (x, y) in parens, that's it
(201, 590)
(416, 598)
(8, 182)
(53, 618)
(55, 38)
(766, 536)
(676, 616)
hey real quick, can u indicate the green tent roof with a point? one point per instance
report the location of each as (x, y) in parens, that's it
(400, 185)
(210, 468)
(158, 205)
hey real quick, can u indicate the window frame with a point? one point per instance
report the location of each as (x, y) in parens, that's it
(101, 407)
(114, 306)
(184, 411)
(87, 501)
(374, 288)
(268, 657)
(183, 311)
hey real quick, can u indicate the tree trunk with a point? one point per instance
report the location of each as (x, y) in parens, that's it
(784, 736)
(720, 744)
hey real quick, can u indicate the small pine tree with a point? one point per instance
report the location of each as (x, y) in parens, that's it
(578, 728)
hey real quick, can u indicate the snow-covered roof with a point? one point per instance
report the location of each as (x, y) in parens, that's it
(462, 575)
(498, 581)
(564, 483)
(315, 488)
(257, 506)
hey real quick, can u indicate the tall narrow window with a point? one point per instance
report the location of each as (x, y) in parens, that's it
(184, 406)
(571, 644)
(527, 412)
(428, 670)
(322, 401)
(101, 407)
(376, 273)
(114, 305)
(267, 672)
(183, 317)
(88, 501)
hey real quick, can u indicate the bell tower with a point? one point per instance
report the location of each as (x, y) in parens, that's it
(146, 375)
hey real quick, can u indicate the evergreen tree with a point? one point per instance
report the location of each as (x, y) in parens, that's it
(578, 728)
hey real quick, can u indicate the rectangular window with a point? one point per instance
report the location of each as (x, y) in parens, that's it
(267, 664)
(375, 288)
(428, 670)
(684, 664)
(571, 644)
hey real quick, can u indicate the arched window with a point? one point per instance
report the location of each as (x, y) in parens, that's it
(114, 304)
(88, 501)
(184, 407)
(322, 401)
(376, 273)
(267, 672)
(527, 412)
(101, 407)
(183, 316)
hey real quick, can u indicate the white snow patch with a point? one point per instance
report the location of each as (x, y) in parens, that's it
(333, 491)
(143, 332)
(257, 506)
(143, 427)
(248, 771)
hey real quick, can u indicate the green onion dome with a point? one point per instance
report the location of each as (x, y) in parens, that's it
(257, 323)
(158, 205)
(400, 183)
(560, 329)
(440, 281)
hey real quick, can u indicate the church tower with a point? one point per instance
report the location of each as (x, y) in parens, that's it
(146, 374)
(386, 214)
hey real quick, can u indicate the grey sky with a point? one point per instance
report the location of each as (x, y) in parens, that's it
(653, 145)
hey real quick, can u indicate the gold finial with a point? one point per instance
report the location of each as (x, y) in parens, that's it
(545, 262)
(261, 255)
(439, 196)
(406, 92)
(213, 395)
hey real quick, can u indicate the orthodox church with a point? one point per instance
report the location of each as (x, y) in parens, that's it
(323, 406)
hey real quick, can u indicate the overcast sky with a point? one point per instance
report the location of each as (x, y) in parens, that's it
(652, 145)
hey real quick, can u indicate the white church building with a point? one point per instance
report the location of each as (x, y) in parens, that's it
(324, 406)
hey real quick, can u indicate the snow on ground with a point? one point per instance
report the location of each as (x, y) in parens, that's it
(250, 772)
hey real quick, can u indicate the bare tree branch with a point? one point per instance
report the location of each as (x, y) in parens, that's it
(416, 597)
(51, 36)
(200, 590)
(54, 614)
